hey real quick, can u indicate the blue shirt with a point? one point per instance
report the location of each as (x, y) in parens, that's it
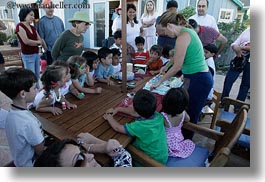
(102, 72)
(49, 29)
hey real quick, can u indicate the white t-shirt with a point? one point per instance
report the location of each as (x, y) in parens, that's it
(23, 132)
(206, 20)
(116, 24)
(211, 64)
(116, 68)
(41, 95)
(132, 33)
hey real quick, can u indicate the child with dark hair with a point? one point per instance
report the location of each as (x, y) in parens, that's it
(92, 63)
(23, 130)
(210, 51)
(116, 60)
(53, 81)
(148, 129)
(141, 55)
(69, 153)
(105, 69)
(80, 75)
(174, 118)
(169, 63)
(117, 39)
(165, 54)
(155, 63)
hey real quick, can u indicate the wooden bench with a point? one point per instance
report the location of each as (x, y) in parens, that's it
(12, 56)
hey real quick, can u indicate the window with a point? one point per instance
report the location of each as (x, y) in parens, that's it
(225, 15)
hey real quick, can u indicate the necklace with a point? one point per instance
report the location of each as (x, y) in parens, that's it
(17, 107)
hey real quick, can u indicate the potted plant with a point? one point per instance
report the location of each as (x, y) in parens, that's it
(13, 40)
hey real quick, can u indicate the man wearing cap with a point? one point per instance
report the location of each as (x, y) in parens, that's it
(202, 18)
(49, 28)
(70, 42)
(116, 25)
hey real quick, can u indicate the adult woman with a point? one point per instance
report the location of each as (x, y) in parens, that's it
(69, 153)
(189, 57)
(116, 25)
(70, 42)
(133, 26)
(148, 20)
(29, 40)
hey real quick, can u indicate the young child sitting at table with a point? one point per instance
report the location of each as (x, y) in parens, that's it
(68, 86)
(154, 63)
(174, 118)
(53, 80)
(169, 64)
(80, 74)
(23, 130)
(116, 60)
(105, 69)
(69, 153)
(148, 129)
(92, 63)
(141, 55)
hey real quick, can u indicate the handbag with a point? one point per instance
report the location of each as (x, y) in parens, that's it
(239, 63)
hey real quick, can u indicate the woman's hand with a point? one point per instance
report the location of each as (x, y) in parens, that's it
(153, 86)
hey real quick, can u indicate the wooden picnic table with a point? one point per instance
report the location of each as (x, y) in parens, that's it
(88, 117)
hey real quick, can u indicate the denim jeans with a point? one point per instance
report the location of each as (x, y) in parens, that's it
(198, 88)
(231, 77)
(32, 62)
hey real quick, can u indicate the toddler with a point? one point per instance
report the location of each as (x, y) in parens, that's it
(141, 55)
(80, 75)
(53, 81)
(154, 63)
(105, 69)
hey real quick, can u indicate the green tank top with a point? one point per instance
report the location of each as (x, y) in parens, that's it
(194, 61)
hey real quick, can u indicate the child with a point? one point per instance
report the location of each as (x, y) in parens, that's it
(23, 129)
(210, 51)
(141, 55)
(115, 60)
(154, 63)
(117, 39)
(174, 118)
(80, 74)
(68, 86)
(92, 63)
(105, 70)
(53, 80)
(165, 54)
(148, 129)
(169, 64)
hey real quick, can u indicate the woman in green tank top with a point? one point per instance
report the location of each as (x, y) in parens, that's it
(189, 58)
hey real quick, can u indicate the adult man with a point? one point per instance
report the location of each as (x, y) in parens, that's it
(162, 39)
(49, 28)
(208, 35)
(201, 17)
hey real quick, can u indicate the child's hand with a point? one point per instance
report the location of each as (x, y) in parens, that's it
(56, 111)
(98, 90)
(71, 106)
(111, 111)
(112, 144)
(85, 137)
(110, 82)
(108, 116)
(87, 69)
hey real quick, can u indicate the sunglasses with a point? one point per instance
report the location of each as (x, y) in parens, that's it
(80, 160)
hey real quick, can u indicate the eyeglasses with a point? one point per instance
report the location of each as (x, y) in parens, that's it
(80, 159)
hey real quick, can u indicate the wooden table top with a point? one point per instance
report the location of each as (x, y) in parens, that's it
(88, 117)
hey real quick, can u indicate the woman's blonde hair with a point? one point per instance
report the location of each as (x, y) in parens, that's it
(145, 8)
(174, 18)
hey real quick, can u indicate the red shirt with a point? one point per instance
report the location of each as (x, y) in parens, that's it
(26, 49)
(140, 58)
(155, 65)
(208, 35)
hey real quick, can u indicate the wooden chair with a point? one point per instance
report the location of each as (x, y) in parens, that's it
(212, 111)
(222, 147)
(242, 147)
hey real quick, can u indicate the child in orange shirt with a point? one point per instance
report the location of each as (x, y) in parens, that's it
(141, 55)
(155, 63)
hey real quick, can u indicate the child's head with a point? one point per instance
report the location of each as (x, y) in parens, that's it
(54, 77)
(175, 101)
(91, 59)
(77, 66)
(165, 51)
(144, 103)
(117, 37)
(105, 55)
(139, 42)
(210, 50)
(65, 65)
(155, 52)
(18, 81)
(115, 56)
